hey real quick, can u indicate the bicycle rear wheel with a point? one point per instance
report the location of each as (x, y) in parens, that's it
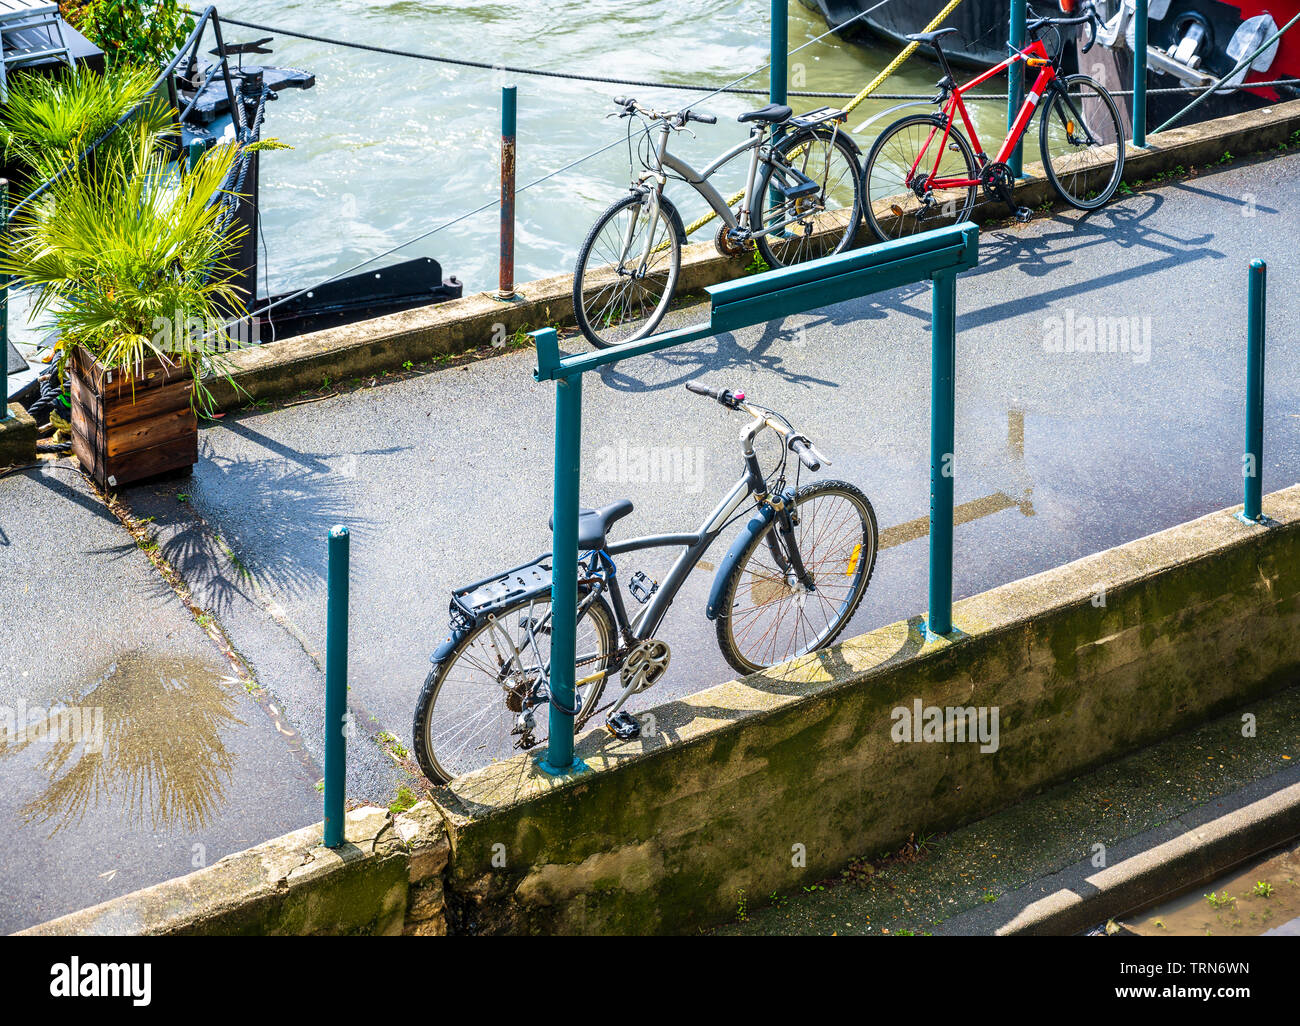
(469, 709)
(822, 223)
(908, 148)
(615, 299)
(1082, 143)
(763, 619)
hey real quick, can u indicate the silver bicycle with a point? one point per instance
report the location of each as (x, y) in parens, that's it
(789, 583)
(802, 200)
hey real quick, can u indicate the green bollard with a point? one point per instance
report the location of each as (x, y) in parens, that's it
(778, 74)
(1140, 74)
(564, 572)
(943, 403)
(1016, 84)
(336, 685)
(1251, 463)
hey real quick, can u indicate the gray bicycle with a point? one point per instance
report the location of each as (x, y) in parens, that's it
(801, 201)
(788, 585)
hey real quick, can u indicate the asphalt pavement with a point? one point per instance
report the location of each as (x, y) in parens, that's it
(444, 477)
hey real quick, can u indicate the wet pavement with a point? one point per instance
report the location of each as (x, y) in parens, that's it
(130, 750)
(445, 477)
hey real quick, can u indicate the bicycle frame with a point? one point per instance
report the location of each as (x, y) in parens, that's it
(1034, 55)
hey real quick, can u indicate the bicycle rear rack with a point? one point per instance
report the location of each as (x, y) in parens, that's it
(469, 605)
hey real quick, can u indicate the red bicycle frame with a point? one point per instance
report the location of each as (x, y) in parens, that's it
(1034, 56)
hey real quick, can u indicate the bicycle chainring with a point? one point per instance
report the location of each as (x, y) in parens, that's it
(998, 183)
(646, 664)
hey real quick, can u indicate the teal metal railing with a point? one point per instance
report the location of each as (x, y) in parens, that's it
(336, 683)
(938, 256)
(1252, 458)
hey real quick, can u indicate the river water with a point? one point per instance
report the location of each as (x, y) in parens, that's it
(387, 147)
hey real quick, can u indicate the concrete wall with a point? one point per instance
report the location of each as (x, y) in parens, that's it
(386, 880)
(385, 343)
(764, 784)
(665, 833)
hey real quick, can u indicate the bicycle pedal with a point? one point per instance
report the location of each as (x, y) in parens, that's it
(1023, 214)
(623, 726)
(641, 587)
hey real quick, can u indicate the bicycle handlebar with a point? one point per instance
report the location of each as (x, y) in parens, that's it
(800, 445)
(630, 106)
(1091, 19)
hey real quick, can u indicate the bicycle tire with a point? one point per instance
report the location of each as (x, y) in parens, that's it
(905, 221)
(1056, 107)
(439, 769)
(589, 311)
(780, 255)
(861, 565)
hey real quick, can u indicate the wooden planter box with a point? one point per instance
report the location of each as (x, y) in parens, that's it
(127, 427)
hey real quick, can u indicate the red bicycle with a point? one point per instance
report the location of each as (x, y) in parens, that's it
(922, 171)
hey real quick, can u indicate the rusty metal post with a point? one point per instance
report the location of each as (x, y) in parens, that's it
(506, 289)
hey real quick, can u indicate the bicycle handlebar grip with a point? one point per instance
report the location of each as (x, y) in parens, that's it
(800, 447)
(705, 119)
(729, 399)
(621, 101)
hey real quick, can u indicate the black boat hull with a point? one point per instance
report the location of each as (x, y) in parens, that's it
(983, 26)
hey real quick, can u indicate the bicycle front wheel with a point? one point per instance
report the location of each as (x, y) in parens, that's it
(814, 223)
(1082, 141)
(470, 709)
(913, 148)
(627, 271)
(765, 618)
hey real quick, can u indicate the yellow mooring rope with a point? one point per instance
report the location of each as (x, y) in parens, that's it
(871, 87)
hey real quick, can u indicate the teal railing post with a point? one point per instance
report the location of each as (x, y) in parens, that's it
(564, 571)
(1140, 74)
(778, 74)
(1016, 82)
(943, 403)
(336, 684)
(1251, 461)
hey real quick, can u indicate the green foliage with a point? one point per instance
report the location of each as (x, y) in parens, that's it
(49, 121)
(119, 257)
(133, 31)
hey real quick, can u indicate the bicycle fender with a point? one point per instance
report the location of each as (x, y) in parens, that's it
(444, 650)
(756, 523)
(823, 132)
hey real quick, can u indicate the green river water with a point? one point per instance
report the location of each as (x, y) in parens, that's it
(387, 147)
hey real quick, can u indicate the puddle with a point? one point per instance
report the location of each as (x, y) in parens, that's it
(1262, 899)
(144, 739)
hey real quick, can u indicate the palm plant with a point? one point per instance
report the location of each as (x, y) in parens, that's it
(120, 256)
(50, 120)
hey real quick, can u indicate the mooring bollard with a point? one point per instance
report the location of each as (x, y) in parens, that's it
(943, 405)
(1016, 83)
(336, 685)
(506, 285)
(1140, 74)
(1252, 459)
